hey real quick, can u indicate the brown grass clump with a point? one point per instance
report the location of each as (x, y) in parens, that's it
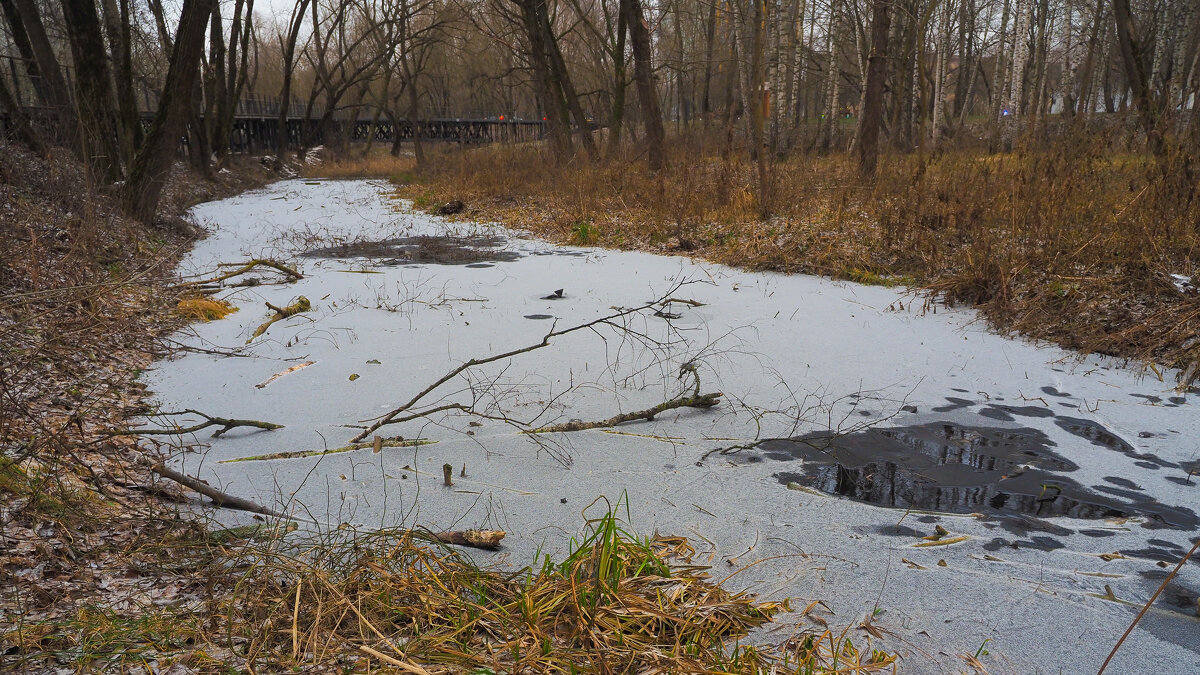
(1073, 241)
(616, 604)
(400, 600)
(204, 309)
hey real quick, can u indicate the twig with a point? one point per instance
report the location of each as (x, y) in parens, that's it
(378, 445)
(700, 401)
(407, 667)
(244, 268)
(209, 421)
(1146, 607)
(219, 498)
(681, 301)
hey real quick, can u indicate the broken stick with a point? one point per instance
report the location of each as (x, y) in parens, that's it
(485, 539)
(219, 498)
(301, 304)
(697, 401)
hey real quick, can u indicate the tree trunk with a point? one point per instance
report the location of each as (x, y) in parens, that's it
(643, 74)
(710, 34)
(285, 90)
(93, 93)
(868, 127)
(215, 93)
(617, 118)
(558, 119)
(1086, 81)
(831, 77)
(939, 85)
(22, 129)
(55, 84)
(20, 38)
(116, 26)
(1135, 74)
(152, 165)
(562, 78)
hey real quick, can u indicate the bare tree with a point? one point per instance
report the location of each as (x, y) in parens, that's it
(152, 165)
(643, 74)
(868, 126)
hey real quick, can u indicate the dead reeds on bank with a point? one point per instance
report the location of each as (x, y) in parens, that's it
(399, 601)
(617, 603)
(1070, 238)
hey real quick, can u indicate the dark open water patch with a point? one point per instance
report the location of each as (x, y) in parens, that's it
(1102, 437)
(438, 250)
(958, 469)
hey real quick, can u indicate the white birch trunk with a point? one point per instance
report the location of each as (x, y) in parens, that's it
(939, 90)
(832, 80)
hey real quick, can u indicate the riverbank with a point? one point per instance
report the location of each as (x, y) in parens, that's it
(87, 299)
(1080, 243)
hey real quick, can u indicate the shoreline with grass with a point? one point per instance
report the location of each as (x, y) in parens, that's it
(1070, 243)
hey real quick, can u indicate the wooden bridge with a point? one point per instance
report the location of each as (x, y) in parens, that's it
(256, 120)
(256, 126)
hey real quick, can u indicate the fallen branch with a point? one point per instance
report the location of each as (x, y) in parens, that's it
(378, 445)
(300, 305)
(276, 376)
(393, 417)
(243, 268)
(209, 421)
(697, 401)
(485, 539)
(219, 498)
(681, 301)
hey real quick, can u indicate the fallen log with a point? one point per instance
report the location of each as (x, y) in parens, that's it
(219, 498)
(695, 401)
(485, 539)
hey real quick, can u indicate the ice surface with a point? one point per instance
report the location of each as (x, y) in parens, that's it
(792, 355)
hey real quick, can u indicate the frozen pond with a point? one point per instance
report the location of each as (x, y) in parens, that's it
(1035, 462)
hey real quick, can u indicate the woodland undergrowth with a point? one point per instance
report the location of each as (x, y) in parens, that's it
(1071, 237)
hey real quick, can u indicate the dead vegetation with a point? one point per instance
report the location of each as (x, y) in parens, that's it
(1076, 240)
(402, 600)
(83, 295)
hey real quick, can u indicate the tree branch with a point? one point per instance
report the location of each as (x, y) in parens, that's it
(219, 498)
(696, 401)
(226, 424)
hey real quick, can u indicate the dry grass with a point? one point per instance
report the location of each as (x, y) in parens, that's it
(397, 599)
(1073, 241)
(203, 309)
(377, 164)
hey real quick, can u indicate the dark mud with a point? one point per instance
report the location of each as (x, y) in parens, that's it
(440, 250)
